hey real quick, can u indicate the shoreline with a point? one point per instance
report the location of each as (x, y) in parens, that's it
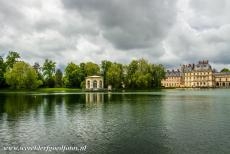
(61, 90)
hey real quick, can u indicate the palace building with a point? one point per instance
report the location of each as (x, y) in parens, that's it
(173, 79)
(200, 75)
(222, 79)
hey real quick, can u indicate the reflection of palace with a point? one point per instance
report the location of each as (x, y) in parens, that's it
(199, 75)
(94, 97)
(94, 83)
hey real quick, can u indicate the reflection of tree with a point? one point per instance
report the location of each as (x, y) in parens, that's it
(2, 101)
(49, 105)
(71, 101)
(18, 104)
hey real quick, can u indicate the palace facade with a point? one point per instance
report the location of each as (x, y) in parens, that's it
(222, 79)
(173, 79)
(200, 75)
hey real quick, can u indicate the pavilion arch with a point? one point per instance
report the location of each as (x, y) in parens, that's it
(94, 83)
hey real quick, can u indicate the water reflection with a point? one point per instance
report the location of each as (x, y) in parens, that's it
(15, 105)
(118, 122)
(94, 98)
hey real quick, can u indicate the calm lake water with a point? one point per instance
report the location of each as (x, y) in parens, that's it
(167, 121)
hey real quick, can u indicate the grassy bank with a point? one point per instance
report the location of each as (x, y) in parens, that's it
(45, 90)
(56, 90)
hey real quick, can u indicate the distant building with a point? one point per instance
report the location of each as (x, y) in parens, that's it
(173, 79)
(94, 83)
(222, 79)
(196, 76)
(199, 75)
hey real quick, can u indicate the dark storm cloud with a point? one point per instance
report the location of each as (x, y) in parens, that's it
(128, 24)
(162, 31)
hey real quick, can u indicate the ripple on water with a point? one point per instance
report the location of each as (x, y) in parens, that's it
(168, 121)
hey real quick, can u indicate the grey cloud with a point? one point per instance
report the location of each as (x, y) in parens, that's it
(209, 14)
(162, 31)
(201, 32)
(129, 24)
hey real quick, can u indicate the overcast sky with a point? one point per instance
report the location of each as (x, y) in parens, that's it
(163, 31)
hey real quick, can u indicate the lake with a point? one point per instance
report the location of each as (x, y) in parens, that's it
(166, 121)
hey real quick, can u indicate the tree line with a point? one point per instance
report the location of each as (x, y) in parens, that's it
(18, 74)
(225, 70)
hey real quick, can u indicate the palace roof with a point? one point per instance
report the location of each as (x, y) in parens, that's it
(202, 66)
(173, 73)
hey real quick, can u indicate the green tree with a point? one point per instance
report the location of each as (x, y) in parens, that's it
(91, 69)
(129, 77)
(48, 70)
(142, 74)
(225, 70)
(142, 77)
(11, 59)
(2, 72)
(114, 75)
(158, 73)
(37, 67)
(38, 70)
(142, 80)
(105, 65)
(82, 73)
(58, 78)
(22, 75)
(72, 75)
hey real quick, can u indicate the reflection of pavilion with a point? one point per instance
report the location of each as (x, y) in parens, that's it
(94, 97)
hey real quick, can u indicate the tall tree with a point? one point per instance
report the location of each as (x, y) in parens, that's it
(115, 75)
(72, 75)
(38, 69)
(2, 72)
(142, 74)
(48, 70)
(131, 69)
(158, 73)
(22, 75)
(58, 78)
(82, 74)
(91, 69)
(142, 77)
(104, 69)
(11, 59)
